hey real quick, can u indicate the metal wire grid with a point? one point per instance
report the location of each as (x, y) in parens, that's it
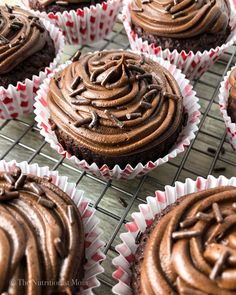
(20, 140)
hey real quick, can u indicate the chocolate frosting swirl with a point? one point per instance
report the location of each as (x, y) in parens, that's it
(232, 96)
(41, 237)
(21, 35)
(192, 248)
(115, 102)
(181, 19)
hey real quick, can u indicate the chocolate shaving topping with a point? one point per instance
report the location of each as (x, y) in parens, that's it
(114, 119)
(71, 214)
(186, 234)
(8, 177)
(83, 121)
(75, 83)
(168, 7)
(94, 119)
(59, 247)
(35, 23)
(76, 56)
(20, 181)
(218, 267)
(37, 189)
(218, 215)
(153, 86)
(46, 203)
(133, 116)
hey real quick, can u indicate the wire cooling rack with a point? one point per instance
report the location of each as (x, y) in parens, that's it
(209, 153)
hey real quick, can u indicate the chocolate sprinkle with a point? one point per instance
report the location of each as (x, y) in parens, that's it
(76, 56)
(16, 172)
(37, 189)
(153, 86)
(170, 95)
(144, 76)
(59, 247)
(133, 116)
(114, 119)
(80, 101)
(53, 127)
(203, 216)
(46, 203)
(185, 234)
(8, 196)
(20, 181)
(219, 265)
(218, 215)
(168, 7)
(188, 222)
(9, 8)
(94, 119)
(149, 95)
(77, 91)
(83, 121)
(75, 83)
(4, 40)
(8, 177)
(136, 69)
(219, 169)
(145, 105)
(71, 214)
(178, 14)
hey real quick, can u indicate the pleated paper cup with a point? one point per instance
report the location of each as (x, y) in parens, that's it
(18, 100)
(93, 234)
(191, 107)
(193, 65)
(223, 101)
(145, 217)
(87, 25)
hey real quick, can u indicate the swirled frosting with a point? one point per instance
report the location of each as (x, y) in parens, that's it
(21, 35)
(192, 248)
(181, 19)
(115, 102)
(232, 96)
(41, 237)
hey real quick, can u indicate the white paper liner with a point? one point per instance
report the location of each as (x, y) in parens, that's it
(87, 25)
(19, 99)
(145, 217)
(193, 65)
(93, 234)
(187, 134)
(223, 101)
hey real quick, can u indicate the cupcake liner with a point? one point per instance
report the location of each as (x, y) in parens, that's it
(187, 134)
(145, 217)
(19, 99)
(87, 25)
(193, 65)
(223, 101)
(93, 242)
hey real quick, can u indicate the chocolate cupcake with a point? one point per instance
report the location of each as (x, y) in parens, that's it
(25, 46)
(61, 6)
(187, 25)
(190, 247)
(41, 236)
(232, 97)
(115, 107)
